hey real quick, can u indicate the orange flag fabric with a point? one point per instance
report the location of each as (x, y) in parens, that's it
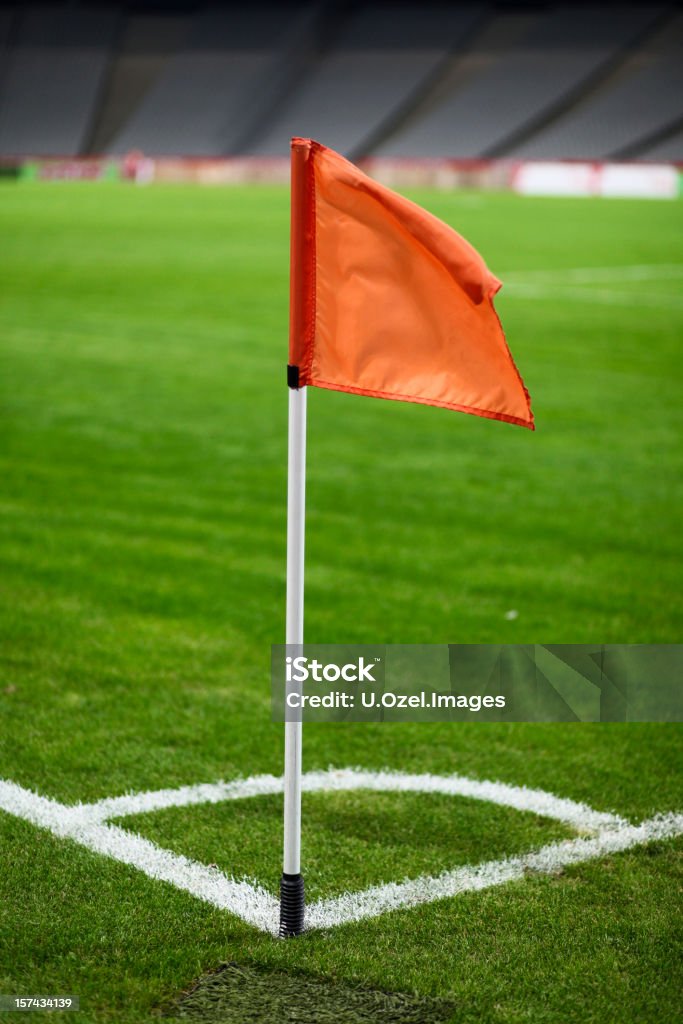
(388, 301)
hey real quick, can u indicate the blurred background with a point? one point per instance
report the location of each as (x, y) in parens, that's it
(384, 79)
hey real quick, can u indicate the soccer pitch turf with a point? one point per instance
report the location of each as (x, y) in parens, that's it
(143, 338)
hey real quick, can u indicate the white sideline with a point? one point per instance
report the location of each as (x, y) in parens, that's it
(574, 282)
(247, 899)
(587, 275)
(382, 899)
(555, 289)
(87, 824)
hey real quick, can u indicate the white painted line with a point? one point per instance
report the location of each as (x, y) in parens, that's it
(184, 796)
(555, 290)
(382, 899)
(577, 283)
(536, 801)
(609, 275)
(87, 824)
(244, 898)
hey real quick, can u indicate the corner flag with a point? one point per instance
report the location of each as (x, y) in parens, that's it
(387, 301)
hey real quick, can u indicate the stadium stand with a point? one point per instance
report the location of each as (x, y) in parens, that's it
(669, 148)
(55, 64)
(196, 106)
(517, 82)
(646, 96)
(147, 44)
(386, 78)
(382, 56)
(6, 21)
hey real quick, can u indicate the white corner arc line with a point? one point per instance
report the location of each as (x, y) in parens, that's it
(536, 801)
(183, 796)
(87, 824)
(521, 798)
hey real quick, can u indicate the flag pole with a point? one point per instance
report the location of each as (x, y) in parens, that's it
(292, 883)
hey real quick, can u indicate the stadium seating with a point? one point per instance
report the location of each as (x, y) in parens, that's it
(6, 21)
(386, 78)
(147, 43)
(669, 148)
(196, 106)
(55, 66)
(517, 81)
(645, 98)
(381, 57)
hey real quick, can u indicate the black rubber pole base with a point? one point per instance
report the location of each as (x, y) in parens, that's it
(291, 905)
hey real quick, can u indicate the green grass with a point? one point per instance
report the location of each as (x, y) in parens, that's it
(250, 994)
(142, 468)
(386, 836)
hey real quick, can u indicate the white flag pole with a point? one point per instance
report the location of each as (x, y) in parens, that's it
(292, 883)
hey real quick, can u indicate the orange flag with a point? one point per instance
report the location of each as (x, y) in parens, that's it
(388, 301)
